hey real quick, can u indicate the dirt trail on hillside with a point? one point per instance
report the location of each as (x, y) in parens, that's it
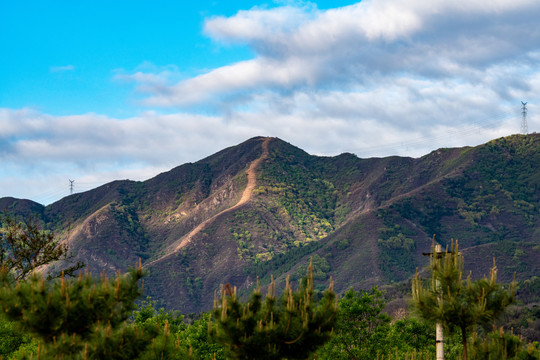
(246, 196)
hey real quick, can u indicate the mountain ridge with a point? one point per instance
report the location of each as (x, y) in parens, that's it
(265, 206)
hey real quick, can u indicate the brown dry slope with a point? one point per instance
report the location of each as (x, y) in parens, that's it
(246, 196)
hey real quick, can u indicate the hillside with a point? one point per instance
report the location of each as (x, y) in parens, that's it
(264, 207)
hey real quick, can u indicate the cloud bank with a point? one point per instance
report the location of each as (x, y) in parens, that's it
(364, 46)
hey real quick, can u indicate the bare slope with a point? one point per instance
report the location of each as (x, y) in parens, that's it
(247, 194)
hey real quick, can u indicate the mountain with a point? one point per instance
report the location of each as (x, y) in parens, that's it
(265, 207)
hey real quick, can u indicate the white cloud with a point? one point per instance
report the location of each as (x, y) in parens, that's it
(258, 23)
(244, 76)
(362, 45)
(151, 78)
(85, 139)
(39, 152)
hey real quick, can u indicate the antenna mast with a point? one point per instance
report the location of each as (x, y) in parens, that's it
(71, 186)
(524, 127)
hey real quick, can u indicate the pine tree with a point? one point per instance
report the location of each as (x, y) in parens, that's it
(24, 247)
(458, 303)
(289, 327)
(504, 346)
(84, 317)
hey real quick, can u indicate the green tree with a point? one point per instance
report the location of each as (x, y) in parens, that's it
(364, 331)
(410, 336)
(458, 303)
(196, 336)
(24, 247)
(13, 339)
(289, 327)
(147, 315)
(500, 345)
(84, 318)
(359, 327)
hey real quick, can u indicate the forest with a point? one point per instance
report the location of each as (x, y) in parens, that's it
(73, 314)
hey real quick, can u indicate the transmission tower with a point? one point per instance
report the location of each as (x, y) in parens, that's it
(524, 127)
(71, 186)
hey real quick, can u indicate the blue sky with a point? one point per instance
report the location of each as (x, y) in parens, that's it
(97, 91)
(64, 55)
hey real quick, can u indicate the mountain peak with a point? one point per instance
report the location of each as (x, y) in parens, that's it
(265, 206)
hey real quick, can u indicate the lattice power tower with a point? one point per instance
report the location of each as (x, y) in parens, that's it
(524, 127)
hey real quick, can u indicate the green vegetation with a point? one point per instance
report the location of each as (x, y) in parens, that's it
(197, 337)
(500, 345)
(24, 247)
(283, 262)
(456, 303)
(84, 318)
(96, 318)
(396, 248)
(298, 184)
(247, 249)
(501, 185)
(289, 327)
(14, 340)
(365, 221)
(319, 268)
(426, 211)
(128, 220)
(364, 331)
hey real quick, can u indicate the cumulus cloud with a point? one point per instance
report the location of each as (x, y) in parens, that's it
(362, 44)
(32, 137)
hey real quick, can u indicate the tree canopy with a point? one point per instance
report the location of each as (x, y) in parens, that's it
(455, 302)
(288, 327)
(24, 247)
